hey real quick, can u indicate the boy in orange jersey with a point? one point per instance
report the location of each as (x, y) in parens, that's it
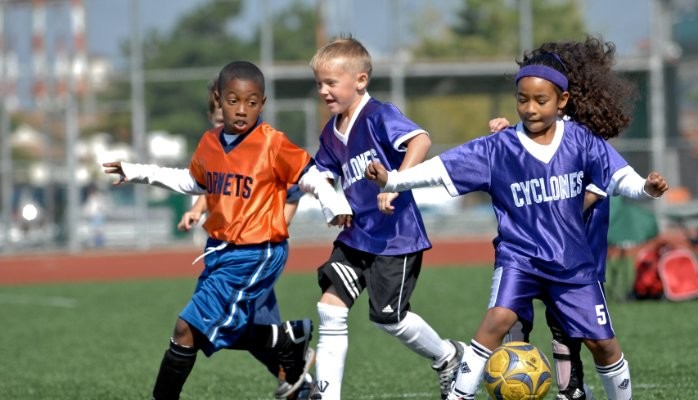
(266, 308)
(244, 170)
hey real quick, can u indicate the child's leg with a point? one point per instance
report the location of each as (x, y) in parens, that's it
(342, 281)
(612, 367)
(176, 364)
(568, 361)
(489, 335)
(332, 346)
(391, 281)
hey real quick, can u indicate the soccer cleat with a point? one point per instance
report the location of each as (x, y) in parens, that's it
(303, 392)
(315, 393)
(571, 394)
(296, 358)
(447, 372)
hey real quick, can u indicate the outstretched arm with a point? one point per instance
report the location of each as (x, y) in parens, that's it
(628, 183)
(428, 173)
(175, 179)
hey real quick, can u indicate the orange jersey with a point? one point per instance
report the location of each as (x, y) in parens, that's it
(246, 186)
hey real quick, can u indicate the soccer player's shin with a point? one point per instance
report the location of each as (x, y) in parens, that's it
(174, 370)
(470, 371)
(333, 342)
(419, 337)
(616, 380)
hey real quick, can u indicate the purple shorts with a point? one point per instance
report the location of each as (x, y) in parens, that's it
(580, 308)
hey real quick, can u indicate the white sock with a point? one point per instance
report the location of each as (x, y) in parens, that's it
(332, 345)
(470, 371)
(616, 380)
(419, 337)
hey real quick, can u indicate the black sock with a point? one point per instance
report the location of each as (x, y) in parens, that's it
(261, 337)
(174, 370)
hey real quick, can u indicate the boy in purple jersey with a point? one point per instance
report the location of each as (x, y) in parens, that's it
(378, 252)
(538, 196)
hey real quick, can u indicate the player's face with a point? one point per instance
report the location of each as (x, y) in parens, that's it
(340, 89)
(538, 102)
(241, 103)
(216, 117)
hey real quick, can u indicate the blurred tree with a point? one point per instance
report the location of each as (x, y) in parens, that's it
(484, 30)
(489, 29)
(203, 39)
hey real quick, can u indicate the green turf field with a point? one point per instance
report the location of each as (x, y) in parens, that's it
(105, 341)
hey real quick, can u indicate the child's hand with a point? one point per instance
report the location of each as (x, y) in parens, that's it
(189, 219)
(498, 124)
(115, 168)
(376, 172)
(385, 202)
(655, 185)
(342, 221)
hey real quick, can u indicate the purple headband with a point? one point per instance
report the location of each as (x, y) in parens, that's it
(545, 72)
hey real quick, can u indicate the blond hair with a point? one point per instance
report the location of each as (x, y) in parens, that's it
(355, 58)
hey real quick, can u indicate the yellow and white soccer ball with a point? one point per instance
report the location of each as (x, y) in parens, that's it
(517, 371)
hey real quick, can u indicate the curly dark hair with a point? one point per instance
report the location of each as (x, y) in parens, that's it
(599, 98)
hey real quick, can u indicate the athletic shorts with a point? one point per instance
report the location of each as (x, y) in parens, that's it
(580, 309)
(390, 280)
(233, 279)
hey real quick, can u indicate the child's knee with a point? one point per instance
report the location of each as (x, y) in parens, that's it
(499, 320)
(182, 334)
(604, 352)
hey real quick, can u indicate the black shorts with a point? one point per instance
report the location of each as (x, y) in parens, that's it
(390, 280)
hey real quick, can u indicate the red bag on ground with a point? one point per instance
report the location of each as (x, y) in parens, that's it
(678, 272)
(647, 284)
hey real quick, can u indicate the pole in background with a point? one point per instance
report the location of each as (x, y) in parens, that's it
(525, 25)
(266, 27)
(657, 111)
(5, 149)
(138, 124)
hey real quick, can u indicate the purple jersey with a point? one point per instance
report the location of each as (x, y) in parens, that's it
(597, 219)
(537, 195)
(377, 132)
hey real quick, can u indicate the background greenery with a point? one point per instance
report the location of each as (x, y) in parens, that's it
(203, 41)
(105, 341)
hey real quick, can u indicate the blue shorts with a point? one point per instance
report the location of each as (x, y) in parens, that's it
(266, 309)
(580, 308)
(226, 294)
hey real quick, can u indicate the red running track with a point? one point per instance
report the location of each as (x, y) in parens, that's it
(162, 263)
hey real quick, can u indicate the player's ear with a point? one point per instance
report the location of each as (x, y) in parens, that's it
(562, 101)
(217, 98)
(361, 81)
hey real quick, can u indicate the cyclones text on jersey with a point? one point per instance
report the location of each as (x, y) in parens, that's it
(537, 190)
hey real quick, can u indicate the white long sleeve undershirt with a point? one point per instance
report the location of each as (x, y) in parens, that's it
(175, 179)
(625, 182)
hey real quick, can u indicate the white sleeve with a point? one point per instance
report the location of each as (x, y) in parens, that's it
(595, 189)
(331, 201)
(628, 183)
(428, 173)
(175, 179)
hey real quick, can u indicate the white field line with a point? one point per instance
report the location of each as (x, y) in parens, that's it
(62, 302)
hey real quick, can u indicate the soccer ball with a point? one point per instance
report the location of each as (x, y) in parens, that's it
(517, 371)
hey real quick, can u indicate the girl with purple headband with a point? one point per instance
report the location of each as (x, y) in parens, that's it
(537, 173)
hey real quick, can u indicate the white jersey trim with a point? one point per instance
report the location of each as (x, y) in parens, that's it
(543, 152)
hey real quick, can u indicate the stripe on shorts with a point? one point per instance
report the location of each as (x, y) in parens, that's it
(348, 277)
